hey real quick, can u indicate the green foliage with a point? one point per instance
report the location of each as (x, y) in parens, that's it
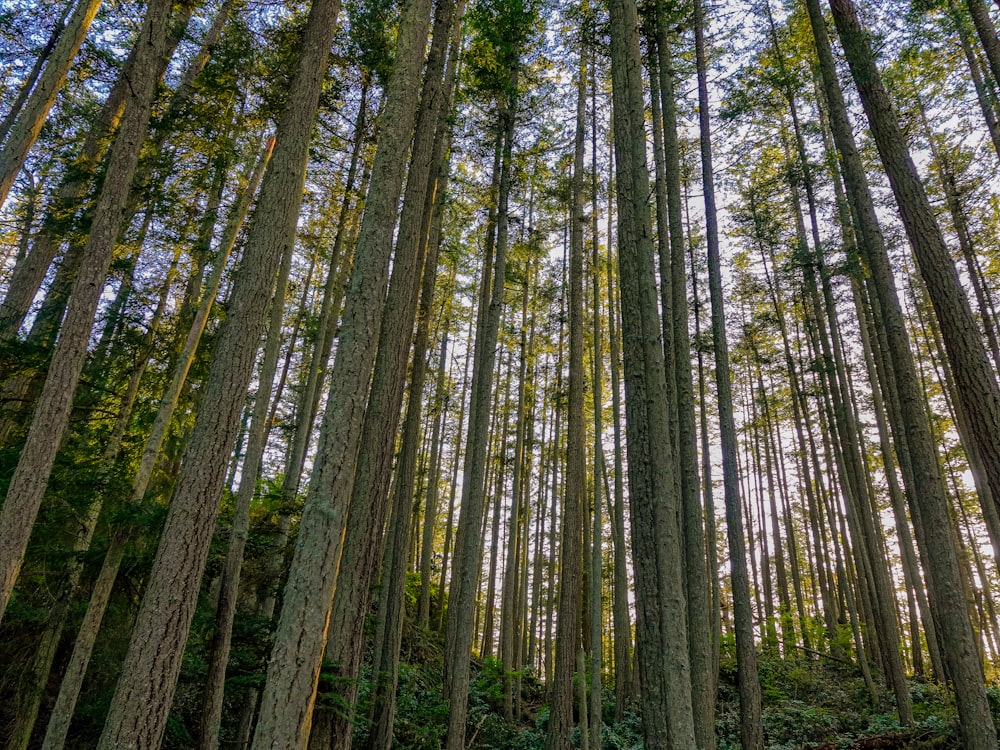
(500, 29)
(625, 734)
(821, 704)
(421, 714)
(372, 34)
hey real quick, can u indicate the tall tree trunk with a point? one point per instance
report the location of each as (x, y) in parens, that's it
(293, 671)
(987, 34)
(570, 547)
(28, 83)
(927, 502)
(960, 223)
(600, 475)
(695, 566)
(30, 271)
(751, 730)
(394, 560)
(509, 610)
(468, 543)
(225, 613)
(433, 484)
(29, 121)
(984, 96)
(70, 687)
(707, 491)
(370, 496)
(51, 415)
(453, 484)
(72, 683)
(142, 699)
(664, 667)
(624, 676)
(975, 377)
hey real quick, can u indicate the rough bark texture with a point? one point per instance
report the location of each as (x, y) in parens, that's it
(293, 671)
(571, 541)
(229, 586)
(987, 34)
(28, 82)
(391, 605)
(661, 633)
(51, 415)
(72, 683)
(142, 699)
(695, 560)
(30, 120)
(30, 270)
(926, 496)
(751, 729)
(469, 541)
(369, 503)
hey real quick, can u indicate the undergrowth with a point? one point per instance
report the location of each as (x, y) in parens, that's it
(809, 703)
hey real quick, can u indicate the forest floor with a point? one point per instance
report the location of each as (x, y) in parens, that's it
(809, 704)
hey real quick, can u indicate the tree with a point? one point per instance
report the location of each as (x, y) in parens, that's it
(51, 414)
(571, 539)
(139, 710)
(927, 503)
(751, 731)
(661, 634)
(293, 670)
(31, 117)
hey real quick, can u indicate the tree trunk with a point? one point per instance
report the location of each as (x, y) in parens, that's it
(370, 496)
(987, 34)
(215, 679)
(600, 474)
(394, 561)
(29, 80)
(453, 484)
(51, 416)
(29, 121)
(142, 699)
(624, 677)
(69, 690)
(570, 547)
(433, 484)
(664, 668)
(30, 271)
(751, 730)
(293, 671)
(468, 543)
(927, 502)
(510, 626)
(983, 94)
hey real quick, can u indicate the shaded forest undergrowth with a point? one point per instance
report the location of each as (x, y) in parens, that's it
(810, 702)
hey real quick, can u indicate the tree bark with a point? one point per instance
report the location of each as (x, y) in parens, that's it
(570, 547)
(30, 120)
(370, 496)
(293, 671)
(51, 415)
(215, 679)
(751, 729)
(468, 543)
(987, 34)
(32, 77)
(927, 502)
(29, 272)
(138, 713)
(695, 564)
(664, 667)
